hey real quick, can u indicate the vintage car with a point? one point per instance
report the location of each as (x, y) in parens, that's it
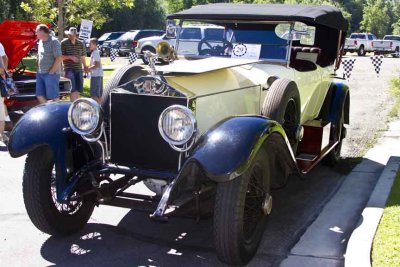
(227, 123)
(18, 38)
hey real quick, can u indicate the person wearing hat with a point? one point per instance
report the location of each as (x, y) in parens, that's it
(74, 60)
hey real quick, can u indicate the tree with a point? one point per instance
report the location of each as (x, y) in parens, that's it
(70, 12)
(375, 18)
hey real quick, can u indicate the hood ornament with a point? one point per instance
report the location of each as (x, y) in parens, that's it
(164, 51)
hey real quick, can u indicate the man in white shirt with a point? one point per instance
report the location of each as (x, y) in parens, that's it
(3, 64)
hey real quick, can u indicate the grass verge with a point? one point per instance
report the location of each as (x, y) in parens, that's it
(395, 92)
(386, 246)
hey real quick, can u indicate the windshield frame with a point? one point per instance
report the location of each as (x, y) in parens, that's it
(218, 22)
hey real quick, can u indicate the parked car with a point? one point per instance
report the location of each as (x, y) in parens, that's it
(389, 45)
(128, 41)
(18, 38)
(359, 43)
(223, 124)
(108, 36)
(187, 33)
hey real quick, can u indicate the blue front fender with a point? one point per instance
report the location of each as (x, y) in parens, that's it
(43, 126)
(227, 150)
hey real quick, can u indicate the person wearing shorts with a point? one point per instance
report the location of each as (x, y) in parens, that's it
(74, 57)
(96, 71)
(49, 66)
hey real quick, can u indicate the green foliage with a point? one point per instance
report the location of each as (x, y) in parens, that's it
(375, 18)
(386, 246)
(74, 10)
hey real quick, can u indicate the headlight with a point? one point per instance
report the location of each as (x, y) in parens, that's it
(177, 125)
(85, 116)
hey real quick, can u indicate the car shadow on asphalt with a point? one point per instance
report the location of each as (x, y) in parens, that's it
(139, 241)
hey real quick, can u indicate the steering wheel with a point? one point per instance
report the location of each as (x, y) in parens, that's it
(217, 50)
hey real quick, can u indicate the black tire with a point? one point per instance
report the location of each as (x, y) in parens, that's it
(361, 51)
(340, 132)
(39, 197)
(282, 104)
(396, 52)
(119, 77)
(147, 48)
(236, 241)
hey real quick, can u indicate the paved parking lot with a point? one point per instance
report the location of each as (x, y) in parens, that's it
(121, 237)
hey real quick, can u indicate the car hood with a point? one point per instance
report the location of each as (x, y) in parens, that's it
(203, 65)
(196, 78)
(17, 37)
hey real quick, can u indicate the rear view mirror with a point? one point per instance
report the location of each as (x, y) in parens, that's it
(171, 29)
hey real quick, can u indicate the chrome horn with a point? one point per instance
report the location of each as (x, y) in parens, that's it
(163, 51)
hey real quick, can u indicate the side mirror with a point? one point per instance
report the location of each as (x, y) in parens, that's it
(171, 29)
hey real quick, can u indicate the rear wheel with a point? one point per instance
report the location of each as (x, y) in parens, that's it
(361, 51)
(396, 52)
(283, 105)
(39, 191)
(241, 209)
(339, 132)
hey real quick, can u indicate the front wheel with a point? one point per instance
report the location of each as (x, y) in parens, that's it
(241, 209)
(45, 212)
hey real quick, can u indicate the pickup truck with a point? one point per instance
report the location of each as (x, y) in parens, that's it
(360, 43)
(389, 45)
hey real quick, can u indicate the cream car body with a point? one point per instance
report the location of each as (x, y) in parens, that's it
(229, 86)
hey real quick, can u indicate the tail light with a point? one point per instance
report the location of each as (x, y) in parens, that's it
(372, 44)
(391, 44)
(355, 42)
(134, 43)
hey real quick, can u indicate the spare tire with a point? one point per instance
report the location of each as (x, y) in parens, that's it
(119, 77)
(282, 104)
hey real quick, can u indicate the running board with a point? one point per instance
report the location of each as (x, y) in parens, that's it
(315, 144)
(306, 162)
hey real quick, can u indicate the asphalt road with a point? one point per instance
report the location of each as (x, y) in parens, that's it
(122, 237)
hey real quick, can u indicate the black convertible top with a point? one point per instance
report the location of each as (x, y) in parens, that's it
(316, 14)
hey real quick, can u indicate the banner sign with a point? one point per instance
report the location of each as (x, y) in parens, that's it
(85, 29)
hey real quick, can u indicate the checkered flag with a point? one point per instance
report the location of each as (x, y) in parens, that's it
(132, 57)
(377, 63)
(348, 65)
(113, 54)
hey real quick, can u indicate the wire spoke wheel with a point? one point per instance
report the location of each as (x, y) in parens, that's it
(242, 207)
(65, 208)
(255, 196)
(40, 197)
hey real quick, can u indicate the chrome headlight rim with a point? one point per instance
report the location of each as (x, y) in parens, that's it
(189, 113)
(98, 110)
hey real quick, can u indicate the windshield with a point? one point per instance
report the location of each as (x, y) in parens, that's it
(393, 38)
(104, 36)
(232, 39)
(128, 36)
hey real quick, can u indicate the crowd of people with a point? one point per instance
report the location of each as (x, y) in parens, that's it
(54, 57)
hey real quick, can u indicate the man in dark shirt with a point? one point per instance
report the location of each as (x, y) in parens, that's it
(74, 57)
